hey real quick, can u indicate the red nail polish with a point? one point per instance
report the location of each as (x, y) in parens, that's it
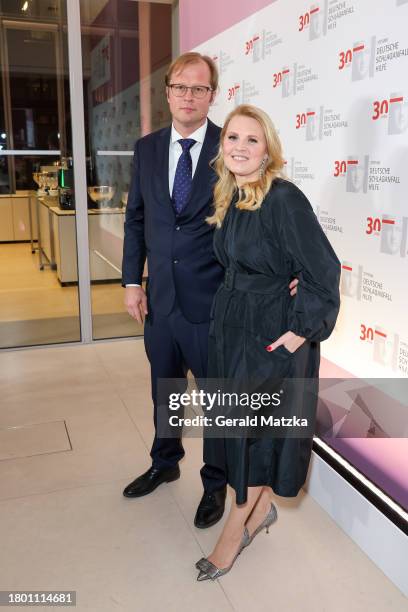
(268, 348)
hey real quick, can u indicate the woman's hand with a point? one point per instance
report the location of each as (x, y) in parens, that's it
(293, 286)
(290, 341)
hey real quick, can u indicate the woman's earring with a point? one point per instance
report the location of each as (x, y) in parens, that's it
(262, 168)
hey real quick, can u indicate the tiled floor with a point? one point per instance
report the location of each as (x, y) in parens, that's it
(65, 525)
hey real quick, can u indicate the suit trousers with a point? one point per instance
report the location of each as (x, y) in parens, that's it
(173, 346)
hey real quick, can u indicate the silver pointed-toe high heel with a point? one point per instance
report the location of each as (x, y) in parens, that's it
(209, 571)
(266, 523)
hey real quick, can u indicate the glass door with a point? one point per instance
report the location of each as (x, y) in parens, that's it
(126, 49)
(38, 251)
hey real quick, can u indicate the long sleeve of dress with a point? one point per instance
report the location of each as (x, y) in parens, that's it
(311, 258)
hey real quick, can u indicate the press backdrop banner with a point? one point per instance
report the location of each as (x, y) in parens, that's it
(333, 77)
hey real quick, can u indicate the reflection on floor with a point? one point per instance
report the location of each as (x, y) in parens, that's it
(35, 309)
(64, 523)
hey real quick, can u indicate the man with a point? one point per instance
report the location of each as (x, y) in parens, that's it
(169, 199)
(170, 196)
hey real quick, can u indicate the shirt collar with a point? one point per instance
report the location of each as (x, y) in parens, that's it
(198, 135)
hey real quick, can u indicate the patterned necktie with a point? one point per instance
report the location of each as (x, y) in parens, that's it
(183, 176)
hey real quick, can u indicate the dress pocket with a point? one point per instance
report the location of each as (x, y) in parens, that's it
(263, 365)
(282, 350)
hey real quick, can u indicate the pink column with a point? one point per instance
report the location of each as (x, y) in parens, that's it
(145, 68)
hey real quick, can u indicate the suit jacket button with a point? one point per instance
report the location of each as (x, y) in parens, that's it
(175, 261)
(177, 228)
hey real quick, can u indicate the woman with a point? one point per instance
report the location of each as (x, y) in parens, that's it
(266, 234)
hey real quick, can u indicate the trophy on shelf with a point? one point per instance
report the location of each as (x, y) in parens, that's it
(47, 180)
(39, 179)
(51, 182)
(49, 176)
(57, 181)
(101, 195)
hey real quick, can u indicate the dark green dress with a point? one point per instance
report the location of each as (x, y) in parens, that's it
(262, 251)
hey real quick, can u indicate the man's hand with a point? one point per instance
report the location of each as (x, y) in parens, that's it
(136, 303)
(290, 341)
(293, 286)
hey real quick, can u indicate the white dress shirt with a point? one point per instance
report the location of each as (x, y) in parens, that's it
(175, 151)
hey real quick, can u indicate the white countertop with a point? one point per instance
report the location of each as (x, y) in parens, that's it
(52, 201)
(91, 211)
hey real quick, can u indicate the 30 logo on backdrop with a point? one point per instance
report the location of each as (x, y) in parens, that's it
(320, 17)
(366, 57)
(314, 20)
(387, 348)
(319, 123)
(360, 57)
(394, 110)
(355, 170)
(293, 79)
(242, 93)
(260, 46)
(392, 231)
(280, 77)
(363, 174)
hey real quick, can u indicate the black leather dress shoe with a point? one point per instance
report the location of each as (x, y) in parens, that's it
(150, 480)
(210, 509)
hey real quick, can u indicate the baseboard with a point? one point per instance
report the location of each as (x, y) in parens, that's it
(381, 539)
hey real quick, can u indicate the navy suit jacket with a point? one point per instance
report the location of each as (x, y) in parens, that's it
(179, 249)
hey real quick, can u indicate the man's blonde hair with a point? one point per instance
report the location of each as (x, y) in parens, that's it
(192, 57)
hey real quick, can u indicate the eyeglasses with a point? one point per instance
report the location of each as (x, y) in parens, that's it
(197, 91)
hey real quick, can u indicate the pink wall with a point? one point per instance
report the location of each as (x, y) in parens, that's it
(200, 20)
